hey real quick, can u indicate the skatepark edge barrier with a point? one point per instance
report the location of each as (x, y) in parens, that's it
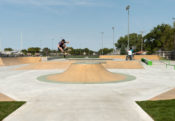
(136, 57)
(5, 61)
(148, 62)
(168, 63)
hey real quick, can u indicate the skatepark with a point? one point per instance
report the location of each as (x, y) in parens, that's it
(87, 60)
(101, 89)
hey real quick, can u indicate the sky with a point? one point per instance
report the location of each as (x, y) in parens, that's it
(43, 23)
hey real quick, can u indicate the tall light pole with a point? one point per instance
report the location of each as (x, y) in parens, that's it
(1, 49)
(41, 44)
(127, 8)
(102, 33)
(0, 44)
(173, 22)
(52, 43)
(113, 28)
(142, 40)
(21, 40)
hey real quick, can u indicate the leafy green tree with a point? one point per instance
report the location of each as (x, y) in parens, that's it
(71, 50)
(24, 51)
(86, 50)
(105, 51)
(134, 41)
(46, 51)
(34, 50)
(160, 38)
(80, 51)
(53, 51)
(8, 49)
(123, 50)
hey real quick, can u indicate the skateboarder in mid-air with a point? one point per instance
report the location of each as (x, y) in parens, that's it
(62, 47)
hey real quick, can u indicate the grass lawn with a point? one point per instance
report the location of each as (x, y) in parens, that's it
(159, 110)
(8, 107)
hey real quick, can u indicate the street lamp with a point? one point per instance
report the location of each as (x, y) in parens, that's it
(102, 33)
(52, 43)
(127, 8)
(41, 44)
(142, 40)
(0, 45)
(113, 28)
(21, 41)
(173, 22)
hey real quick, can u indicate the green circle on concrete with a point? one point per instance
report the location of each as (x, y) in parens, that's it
(127, 78)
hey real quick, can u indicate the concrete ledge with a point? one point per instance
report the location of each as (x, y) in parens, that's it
(136, 57)
(44, 59)
(148, 62)
(18, 60)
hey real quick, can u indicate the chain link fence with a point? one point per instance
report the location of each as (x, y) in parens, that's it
(169, 55)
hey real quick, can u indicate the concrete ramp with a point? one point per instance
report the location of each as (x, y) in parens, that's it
(86, 73)
(5, 98)
(50, 65)
(1, 62)
(136, 57)
(7, 61)
(123, 65)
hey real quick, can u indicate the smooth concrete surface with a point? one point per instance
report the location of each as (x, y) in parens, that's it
(7, 61)
(84, 102)
(136, 57)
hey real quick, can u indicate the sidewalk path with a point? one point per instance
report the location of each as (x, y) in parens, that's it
(84, 102)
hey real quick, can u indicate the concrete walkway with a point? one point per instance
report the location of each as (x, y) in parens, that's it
(84, 102)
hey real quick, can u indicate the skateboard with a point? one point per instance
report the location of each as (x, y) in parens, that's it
(64, 54)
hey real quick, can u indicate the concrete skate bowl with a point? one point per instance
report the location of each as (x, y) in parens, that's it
(50, 65)
(123, 65)
(90, 60)
(64, 64)
(86, 73)
(136, 57)
(108, 63)
(8, 61)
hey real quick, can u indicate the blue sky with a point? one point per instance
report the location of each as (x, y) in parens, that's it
(44, 22)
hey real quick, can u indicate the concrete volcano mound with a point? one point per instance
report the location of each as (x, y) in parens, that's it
(86, 73)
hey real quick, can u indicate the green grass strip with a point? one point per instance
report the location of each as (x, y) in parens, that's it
(163, 110)
(7, 108)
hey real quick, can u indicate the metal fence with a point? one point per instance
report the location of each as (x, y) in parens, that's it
(169, 55)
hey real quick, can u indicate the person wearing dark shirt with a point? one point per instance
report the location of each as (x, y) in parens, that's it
(62, 45)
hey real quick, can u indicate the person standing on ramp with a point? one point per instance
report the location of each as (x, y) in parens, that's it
(62, 47)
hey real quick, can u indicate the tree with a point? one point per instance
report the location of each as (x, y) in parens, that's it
(160, 38)
(80, 51)
(134, 41)
(46, 51)
(34, 50)
(24, 51)
(86, 50)
(123, 50)
(8, 49)
(105, 51)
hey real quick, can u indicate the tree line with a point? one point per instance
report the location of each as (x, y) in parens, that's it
(160, 38)
(72, 51)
